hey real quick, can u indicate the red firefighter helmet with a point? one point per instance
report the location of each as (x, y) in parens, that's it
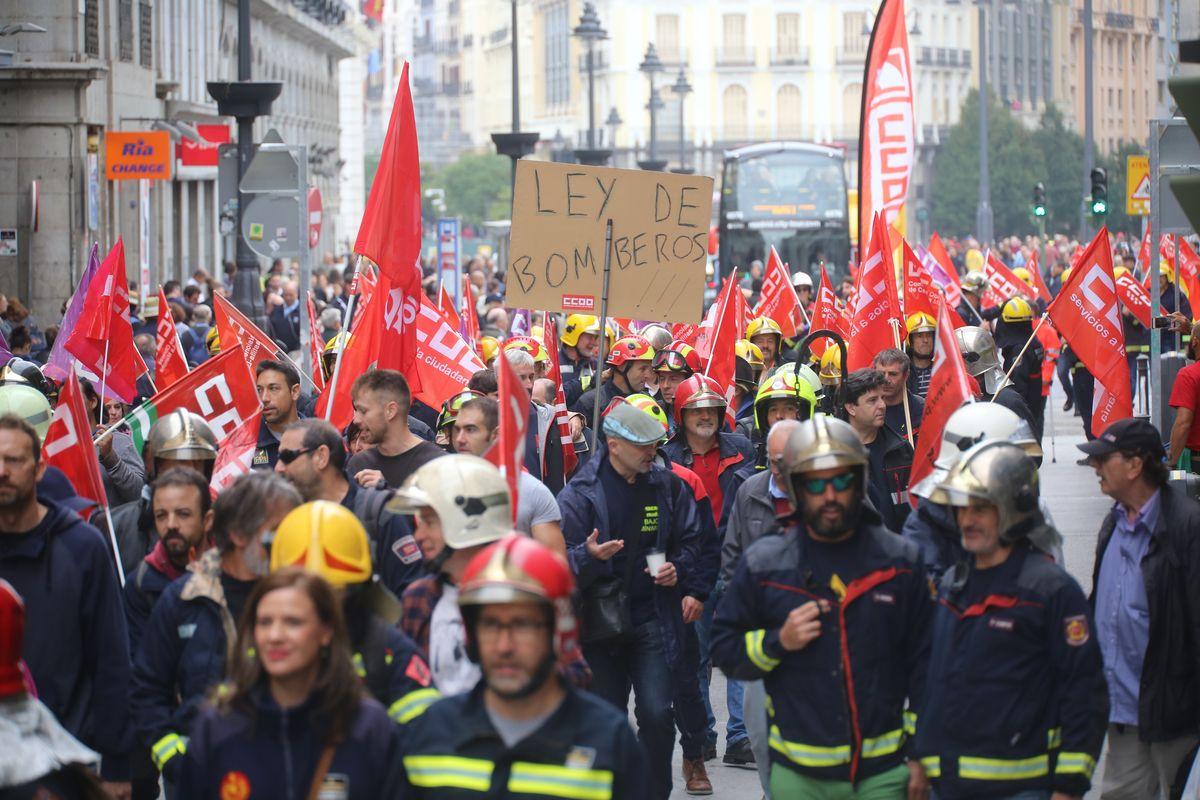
(698, 391)
(12, 634)
(518, 569)
(629, 348)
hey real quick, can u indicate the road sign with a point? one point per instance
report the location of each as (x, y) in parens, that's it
(314, 216)
(1137, 186)
(449, 256)
(271, 226)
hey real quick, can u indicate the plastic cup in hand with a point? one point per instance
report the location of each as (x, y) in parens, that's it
(655, 560)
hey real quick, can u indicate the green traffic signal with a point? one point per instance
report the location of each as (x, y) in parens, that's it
(1099, 197)
(1099, 208)
(1039, 211)
(1039, 199)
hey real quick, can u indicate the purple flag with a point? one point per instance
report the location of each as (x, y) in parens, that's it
(520, 323)
(60, 363)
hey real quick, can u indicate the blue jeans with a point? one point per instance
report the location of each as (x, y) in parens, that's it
(689, 710)
(735, 728)
(642, 665)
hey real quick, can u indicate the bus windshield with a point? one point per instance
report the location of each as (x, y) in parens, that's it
(787, 184)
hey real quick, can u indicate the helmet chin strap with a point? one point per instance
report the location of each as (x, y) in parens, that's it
(435, 564)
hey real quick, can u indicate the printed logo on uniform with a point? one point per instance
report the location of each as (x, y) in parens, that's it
(418, 671)
(406, 549)
(887, 598)
(261, 459)
(581, 757)
(336, 786)
(1076, 629)
(1001, 624)
(650, 520)
(235, 786)
(186, 631)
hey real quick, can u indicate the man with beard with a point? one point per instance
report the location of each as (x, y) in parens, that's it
(521, 731)
(313, 458)
(833, 615)
(76, 647)
(921, 331)
(382, 401)
(768, 336)
(278, 392)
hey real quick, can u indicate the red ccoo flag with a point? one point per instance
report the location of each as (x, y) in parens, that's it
(69, 446)
(169, 363)
(509, 451)
(778, 297)
(722, 359)
(1086, 314)
(1135, 298)
(875, 322)
(446, 306)
(103, 338)
(918, 286)
(1039, 284)
(1003, 283)
(550, 342)
(234, 327)
(470, 320)
(316, 347)
(949, 388)
(826, 315)
(359, 352)
(235, 453)
(1145, 264)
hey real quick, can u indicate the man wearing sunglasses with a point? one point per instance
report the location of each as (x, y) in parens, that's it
(833, 615)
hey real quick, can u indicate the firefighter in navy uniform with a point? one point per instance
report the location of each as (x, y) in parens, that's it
(522, 732)
(833, 615)
(1022, 354)
(1016, 701)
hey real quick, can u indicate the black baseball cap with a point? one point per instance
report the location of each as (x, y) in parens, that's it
(1131, 435)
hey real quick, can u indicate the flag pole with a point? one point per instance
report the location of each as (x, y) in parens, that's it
(112, 534)
(904, 391)
(1021, 354)
(608, 237)
(1050, 405)
(341, 343)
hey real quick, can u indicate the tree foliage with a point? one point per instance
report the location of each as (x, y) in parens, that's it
(477, 187)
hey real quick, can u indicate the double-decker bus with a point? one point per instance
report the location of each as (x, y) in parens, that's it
(789, 195)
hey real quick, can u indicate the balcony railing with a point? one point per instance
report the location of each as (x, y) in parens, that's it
(741, 56)
(851, 55)
(498, 36)
(943, 57)
(789, 56)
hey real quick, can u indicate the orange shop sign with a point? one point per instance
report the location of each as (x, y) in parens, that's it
(137, 155)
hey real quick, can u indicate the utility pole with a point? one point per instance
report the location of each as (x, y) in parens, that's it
(1089, 145)
(517, 144)
(983, 211)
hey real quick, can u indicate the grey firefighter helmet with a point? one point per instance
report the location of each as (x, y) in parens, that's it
(971, 424)
(999, 472)
(978, 350)
(819, 443)
(181, 436)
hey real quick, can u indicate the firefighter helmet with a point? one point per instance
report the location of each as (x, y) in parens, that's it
(783, 386)
(449, 412)
(19, 399)
(831, 366)
(749, 352)
(182, 436)
(920, 322)
(489, 347)
(821, 442)
(978, 350)
(975, 282)
(579, 324)
(636, 418)
(698, 391)
(1024, 274)
(527, 344)
(212, 341)
(760, 326)
(658, 336)
(802, 278)
(325, 538)
(678, 357)
(1016, 309)
(629, 348)
(968, 426)
(999, 472)
(518, 569)
(469, 495)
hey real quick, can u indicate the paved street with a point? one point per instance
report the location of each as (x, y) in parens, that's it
(1077, 507)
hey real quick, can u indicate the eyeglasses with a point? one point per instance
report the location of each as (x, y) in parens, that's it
(522, 631)
(288, 456)
(841, 482)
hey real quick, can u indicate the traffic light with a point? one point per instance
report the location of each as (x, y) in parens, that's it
(1099, 192)
(1039, 199)
(1186, 188)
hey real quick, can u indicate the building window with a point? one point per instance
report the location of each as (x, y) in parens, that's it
(91, 28)
(125, 29)
(557, 48)
(853, 40)
(666, 37)
(146, 34)
(851, 109)
(787, 34)
(734, 109)
(787, 107)
(733, 35)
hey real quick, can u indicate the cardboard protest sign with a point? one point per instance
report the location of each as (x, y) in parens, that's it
(659, 250)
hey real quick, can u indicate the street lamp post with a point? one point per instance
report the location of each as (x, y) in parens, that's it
(650, 66)
(516, 144)
(983, 211)
(682, 89)
(245, 100)
(613, 122)
(591, 32)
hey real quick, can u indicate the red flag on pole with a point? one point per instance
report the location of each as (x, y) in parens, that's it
(778, 298)
(235, 453)
(1039, 284)
(1003, 283)
(876, 307)
(234, 327)
(949, 388)
(1145, 265)
(316, 347)
(169, 363)
(359, 353)
(69, 446)
(446, 306)
(943, 272)
(445, 363)
(390, 231)
(1135, 298)
(826, 315)
(918, 287)
(554, 373)
(514, 418)
(1086, 314)
(103, 338)
(722, 359)
(470, 320)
